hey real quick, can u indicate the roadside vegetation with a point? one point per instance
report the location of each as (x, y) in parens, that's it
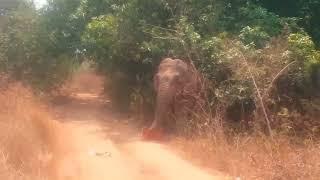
(28, 135)
(260, 60)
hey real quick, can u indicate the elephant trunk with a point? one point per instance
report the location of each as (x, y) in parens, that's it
(165, 96)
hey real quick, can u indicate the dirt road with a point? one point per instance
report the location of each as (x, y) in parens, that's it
(99, 145)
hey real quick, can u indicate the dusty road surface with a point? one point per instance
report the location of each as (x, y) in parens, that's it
(98, 144)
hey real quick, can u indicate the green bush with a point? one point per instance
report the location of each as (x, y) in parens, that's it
(232, 43)
(254, 36)
(301, 44)
(304, 52)
(26, 52)
(257, 16)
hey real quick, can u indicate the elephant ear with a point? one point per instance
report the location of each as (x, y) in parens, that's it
(184, 78)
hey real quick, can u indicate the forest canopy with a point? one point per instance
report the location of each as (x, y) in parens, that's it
(277, 40)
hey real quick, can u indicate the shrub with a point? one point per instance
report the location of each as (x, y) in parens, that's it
(254, 36)
(303, 51)
(257, 16)
(26, 135)
(27, 51)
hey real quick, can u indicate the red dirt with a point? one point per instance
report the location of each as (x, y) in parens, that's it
(100, 145)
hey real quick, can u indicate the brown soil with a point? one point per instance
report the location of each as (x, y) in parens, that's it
(99, 144)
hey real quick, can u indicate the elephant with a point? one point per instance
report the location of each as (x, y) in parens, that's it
(174, 80)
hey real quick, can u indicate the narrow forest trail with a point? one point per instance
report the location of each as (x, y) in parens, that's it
(98, 144)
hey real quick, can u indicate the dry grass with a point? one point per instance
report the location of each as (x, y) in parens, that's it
(254, 156)
(250, 157)
(27, 135)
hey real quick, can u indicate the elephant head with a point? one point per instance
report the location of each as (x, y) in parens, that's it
(172, 76)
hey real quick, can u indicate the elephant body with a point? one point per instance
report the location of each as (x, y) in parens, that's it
(174, 80)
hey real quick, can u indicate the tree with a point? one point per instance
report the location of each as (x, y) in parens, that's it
(29, 51)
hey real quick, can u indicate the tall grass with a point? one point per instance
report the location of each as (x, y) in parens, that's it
(27, 135)
(249, 155)
(292, 152)
(255, 157)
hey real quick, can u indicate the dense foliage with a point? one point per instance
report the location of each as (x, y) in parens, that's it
(248, 50)
(31, 50)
